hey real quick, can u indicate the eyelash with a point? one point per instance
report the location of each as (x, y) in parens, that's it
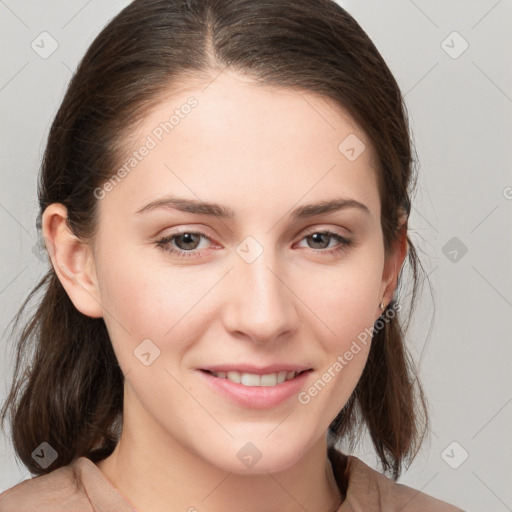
(164, 242)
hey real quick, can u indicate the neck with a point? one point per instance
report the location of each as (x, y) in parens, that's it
(155, 472)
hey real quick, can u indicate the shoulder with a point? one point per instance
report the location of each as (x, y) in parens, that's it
(368, 489)
(78, 486)
(59, 490)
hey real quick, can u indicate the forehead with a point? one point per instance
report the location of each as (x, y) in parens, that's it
(232, 137)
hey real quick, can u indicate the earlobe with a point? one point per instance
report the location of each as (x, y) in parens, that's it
(72, 261)
(393, 266)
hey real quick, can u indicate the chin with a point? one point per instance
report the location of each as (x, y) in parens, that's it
(256, 455)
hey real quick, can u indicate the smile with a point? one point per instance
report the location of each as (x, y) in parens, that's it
(253, 379)
(262, 390)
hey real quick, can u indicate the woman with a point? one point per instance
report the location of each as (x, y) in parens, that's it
(224, 199)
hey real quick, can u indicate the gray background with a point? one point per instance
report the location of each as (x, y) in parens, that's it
(460, 107)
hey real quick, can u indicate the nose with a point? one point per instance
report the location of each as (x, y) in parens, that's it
(260, 305)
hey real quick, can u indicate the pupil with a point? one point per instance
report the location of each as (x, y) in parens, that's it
(317, 237)
(188, 239)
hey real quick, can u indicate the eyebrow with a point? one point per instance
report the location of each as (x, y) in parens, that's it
(222, 212)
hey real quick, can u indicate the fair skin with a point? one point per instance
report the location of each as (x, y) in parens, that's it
(262, 153)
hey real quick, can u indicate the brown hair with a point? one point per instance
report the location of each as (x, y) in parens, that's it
(67, 387)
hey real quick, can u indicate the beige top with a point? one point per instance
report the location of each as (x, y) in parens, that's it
(82, 487)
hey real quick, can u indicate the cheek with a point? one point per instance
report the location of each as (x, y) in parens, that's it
(343, 301)
(154, 302)
(345, 306)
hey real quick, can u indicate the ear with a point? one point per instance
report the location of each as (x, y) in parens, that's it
(72, 261)
(393, 265)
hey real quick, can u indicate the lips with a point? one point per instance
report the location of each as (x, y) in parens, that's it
(246, 375)
(257, 370)
(256, 387)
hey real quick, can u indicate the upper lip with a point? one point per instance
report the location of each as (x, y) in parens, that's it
(257, 370)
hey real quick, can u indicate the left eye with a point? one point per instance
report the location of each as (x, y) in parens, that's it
(189, 241)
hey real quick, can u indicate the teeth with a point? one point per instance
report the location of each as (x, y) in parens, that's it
(252, 379)
(234, 377)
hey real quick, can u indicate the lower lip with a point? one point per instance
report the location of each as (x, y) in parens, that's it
(256, 397)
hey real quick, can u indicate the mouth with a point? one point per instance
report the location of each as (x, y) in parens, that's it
(248, 379)
(254, 387)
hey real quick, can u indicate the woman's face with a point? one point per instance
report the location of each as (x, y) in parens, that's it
(248, 286)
